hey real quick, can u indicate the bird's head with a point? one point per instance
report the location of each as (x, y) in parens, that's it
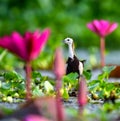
(68, 41)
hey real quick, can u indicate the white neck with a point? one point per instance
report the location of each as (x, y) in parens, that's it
(70, 51)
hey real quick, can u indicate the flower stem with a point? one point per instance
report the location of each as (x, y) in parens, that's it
(102, 51)
(28, 80)
(59, 108)
(82, 95)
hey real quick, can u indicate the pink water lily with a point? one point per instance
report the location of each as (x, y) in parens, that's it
(102, 28)
(26, 47)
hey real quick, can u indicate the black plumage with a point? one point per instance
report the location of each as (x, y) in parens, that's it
(73, 65)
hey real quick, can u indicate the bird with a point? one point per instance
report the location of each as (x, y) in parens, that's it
(73, 64)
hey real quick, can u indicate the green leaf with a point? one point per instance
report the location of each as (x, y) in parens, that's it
(21, 86)
(101, 93)
(2, 55)
(6, 86)
(36, 74)
(94, 82)
(65, 94)
(87, 75)
(108, 69)
(48, 87)
(110, 86)
(37, 91)
(70, 78)
(102, 76)
(94, 86)
(12, 76)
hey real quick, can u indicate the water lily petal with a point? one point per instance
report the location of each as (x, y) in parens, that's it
(104, 23)
(37, 34)
(39, 42)
(104, 27)
(18, 45)
(97, 25)
(112, 27)
(27, 35)
(92, 27)
(5, 42)
(43, 38)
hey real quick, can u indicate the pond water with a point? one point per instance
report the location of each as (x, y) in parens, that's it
(111, 57)
(9, 105)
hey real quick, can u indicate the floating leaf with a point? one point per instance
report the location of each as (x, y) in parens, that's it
(36, 74)
(108, 69)
(87, 75)
(92, 87)
(110, 86)
(48, 87)
(70, 78)
(37, 91)
(6, 86)
(65, 94)
(12, 76)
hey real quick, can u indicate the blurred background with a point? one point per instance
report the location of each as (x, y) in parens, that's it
(65, 18)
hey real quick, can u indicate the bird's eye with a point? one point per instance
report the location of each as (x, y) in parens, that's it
(68, 40)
